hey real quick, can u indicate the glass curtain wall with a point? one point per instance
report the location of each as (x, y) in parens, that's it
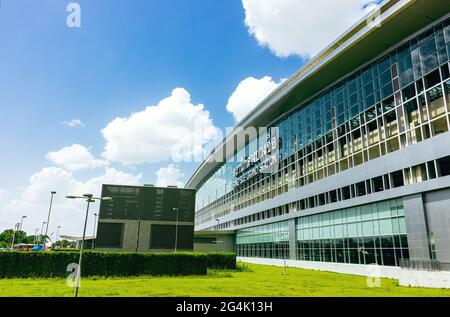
(369, 234)
(399, 100)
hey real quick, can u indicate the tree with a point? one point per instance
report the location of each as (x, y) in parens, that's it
(64, 244)
(6, 238)
(20, 237)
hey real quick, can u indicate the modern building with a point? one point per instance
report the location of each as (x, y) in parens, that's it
(146, 219)
(364, 151)
(215, 241)
(89, 242)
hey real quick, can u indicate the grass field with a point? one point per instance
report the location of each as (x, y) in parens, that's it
(249, 281)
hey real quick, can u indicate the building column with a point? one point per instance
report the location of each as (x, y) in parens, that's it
(292, 240)
(130, 235)
(416, 227)
(144, 236)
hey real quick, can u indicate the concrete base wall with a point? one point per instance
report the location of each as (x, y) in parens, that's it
(353, 269)
(201, 247)
(136, 235)
(224, 242)
(406, 277)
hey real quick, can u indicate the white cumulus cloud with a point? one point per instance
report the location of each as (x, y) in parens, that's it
(301, 27)
(74, 123)
(169, 176)
(173, 129)
(33, 200)
(248, 94)
(75, 157)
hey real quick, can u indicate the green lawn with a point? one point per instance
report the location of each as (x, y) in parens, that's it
(251, 280)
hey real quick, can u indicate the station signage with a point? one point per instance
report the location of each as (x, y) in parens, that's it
(263, 161)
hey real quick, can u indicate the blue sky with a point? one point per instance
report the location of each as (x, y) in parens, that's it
(129, 55)
(123, 58)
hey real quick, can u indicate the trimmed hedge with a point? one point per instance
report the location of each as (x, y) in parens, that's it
(65, 250)
(118, 264)
(221, 260)
(215, 260)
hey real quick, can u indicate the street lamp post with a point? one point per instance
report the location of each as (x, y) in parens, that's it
(36, 236)
(95, 231)
(95, 224)
(21, 222)
(49, 211)
(57, 234)
(95, 227)
(16, 227)
(218, 228)
(283, 236)
(287, 236)
(176, 229)
(89, 199)
(42, 232)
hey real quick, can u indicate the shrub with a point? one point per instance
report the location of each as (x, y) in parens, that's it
(64, 250)
(215, 260)
(118, 264)
(221, 260)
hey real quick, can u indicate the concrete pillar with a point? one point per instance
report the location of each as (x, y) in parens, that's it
(416, 227)
(437, 206)
(144, 236)
(292, 240)
(130, 236)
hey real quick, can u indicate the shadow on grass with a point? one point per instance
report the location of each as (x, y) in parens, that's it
(240, 268)
(243, 267)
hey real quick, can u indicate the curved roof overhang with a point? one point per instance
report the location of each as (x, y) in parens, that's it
(355, 48)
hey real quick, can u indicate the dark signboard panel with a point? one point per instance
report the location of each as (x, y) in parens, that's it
(109, 235)
(163, 237)
(158, 206)
(148, 203)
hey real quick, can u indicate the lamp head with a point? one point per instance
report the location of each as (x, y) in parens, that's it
(53, 192)
(107, 199)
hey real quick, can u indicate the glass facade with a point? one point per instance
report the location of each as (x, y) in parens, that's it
(268, 241)
(396, 101)
(369, 234)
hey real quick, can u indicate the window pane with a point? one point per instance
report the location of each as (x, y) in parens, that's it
(436, 105)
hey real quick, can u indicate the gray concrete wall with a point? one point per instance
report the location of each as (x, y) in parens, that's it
(292, 239)
(133, 228)
(129, 238)
(416, 227)
(144, 236)
(226, 243)
(437, 205)
(372, 272)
